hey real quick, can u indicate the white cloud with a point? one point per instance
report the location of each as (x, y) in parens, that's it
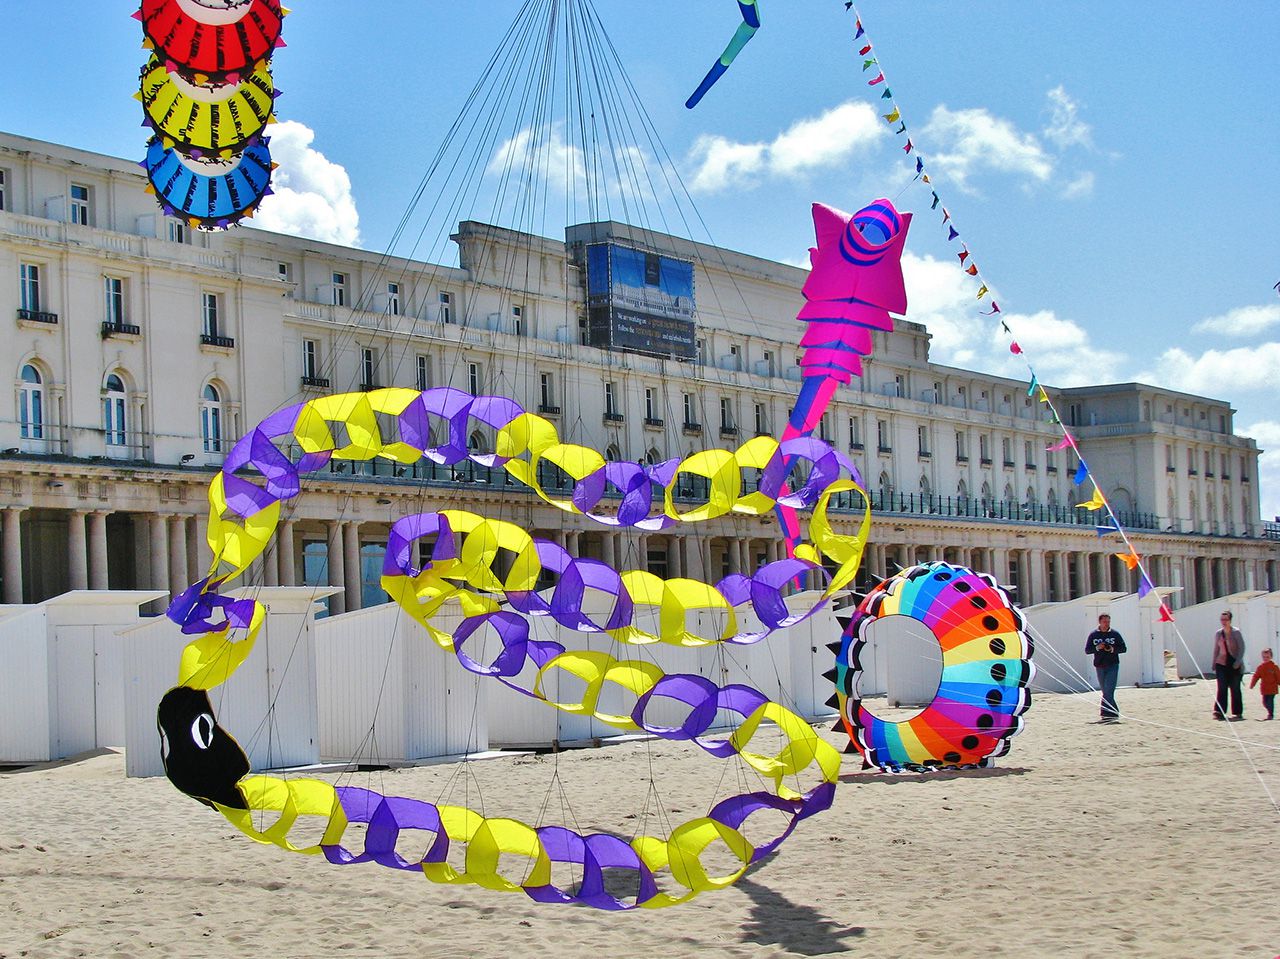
(1065, 128)
(545, 155)
(557, 160)
(1080, 186)
(942, 298)
(1217, 373)
(1267, 433)
(815, 143)
(1242, 321)
(971, 141)
(312, 195)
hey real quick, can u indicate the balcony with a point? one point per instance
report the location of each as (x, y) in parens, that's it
(1171, 469)
(728, 432)
(315, 382)
(984, 461)
(692, 429)
(112, 328)
(614, 418)
(368, 387)
(1009, 464)
(546, 409)
(924, 454)
(961, 458)
(222, 342)
(653, 423)
(1030, 467)
(855, 446)
(1051, 468)
(885, 449)
(38, 316)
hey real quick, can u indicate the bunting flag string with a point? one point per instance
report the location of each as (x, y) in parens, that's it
(1098, 502)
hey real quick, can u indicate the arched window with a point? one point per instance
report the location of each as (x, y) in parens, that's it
(986, 492)
(475, 442)
(653, 457)
(613, 454)
(1031, 496)
(1008, 493)
(31, 404)
(211, 419)
(925, 489)
(1211, 513)
(114, 405)
(1052, 499)
(962, 490)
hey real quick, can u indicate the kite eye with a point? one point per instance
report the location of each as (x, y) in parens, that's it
(164, 746)
(202, 731)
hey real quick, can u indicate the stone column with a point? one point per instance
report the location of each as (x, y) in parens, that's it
(1084, 583)
(159, 536)
(98, 572)
(285, 555)
(744, 556)
(178, 554)
(351, 563)
(336, 571)
(11, 529)
(1063, 575)
(1036, 577)
(199, 556)
(77, 550)
(1000, 567)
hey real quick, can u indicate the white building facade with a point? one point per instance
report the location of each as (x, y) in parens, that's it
(140, 351)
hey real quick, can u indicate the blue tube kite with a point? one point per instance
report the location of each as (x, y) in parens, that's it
(750, 24)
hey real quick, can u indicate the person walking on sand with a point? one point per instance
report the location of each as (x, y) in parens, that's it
(1228, 667)
(1105, 646)
(1267, 673)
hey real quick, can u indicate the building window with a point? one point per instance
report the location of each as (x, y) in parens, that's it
(368, 369)
(284, 271)
(610, 400)
(922, 440)
(937, 392)
(1191, 462)
(1244, 468)
(882, 436)
(179, 232)
(735, 357)
(650, 404)
(962, 446)
(113, 291)
(446, 307)
(855, 432)
(689, 418)
(984, 448)
(209, 309)
(422, 372)
(1028, 454)
(29, 286)
(339, 289)
(474, 380)
(546, 391)
(393, 299)
(211, 419)
(726, 413)
(824, 428)
(4, 190)
(310, 359)
(1225, 465)
(114, 424)
(1208, 463)
(762, 421)
(31, 404)
(517, 320)
(769, 364)
(899, 386)
(1006, 450)
(80, 204)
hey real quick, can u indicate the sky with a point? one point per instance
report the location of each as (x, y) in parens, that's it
(1110, 165)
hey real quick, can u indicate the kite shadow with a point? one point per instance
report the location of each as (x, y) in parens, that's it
(798, 928)
(889, 779)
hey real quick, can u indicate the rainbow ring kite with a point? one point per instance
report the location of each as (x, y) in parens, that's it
(203, 761)
(986, 671)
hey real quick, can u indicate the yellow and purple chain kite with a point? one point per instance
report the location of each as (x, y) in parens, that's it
(203, 761)
(746, 30)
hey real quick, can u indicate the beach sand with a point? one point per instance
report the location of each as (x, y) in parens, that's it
(1150, 838)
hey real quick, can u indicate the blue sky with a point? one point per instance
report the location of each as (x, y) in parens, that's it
(1111, 165)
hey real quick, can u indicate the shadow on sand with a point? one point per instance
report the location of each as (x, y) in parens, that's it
(941, 776)
(777, 921)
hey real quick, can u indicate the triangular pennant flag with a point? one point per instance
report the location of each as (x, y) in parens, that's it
(1082, 474)
(1035, 383)
(919, 166)
(1044, 397)
(983, 291)
(879, 79)
(945, 215)
(993, 311)
(1165, 615)
(1096, 502)
(908, 148)
(860, 30)
(868, 64)
(1005, 326)
(865, 50)
(963, 254)
(893, 117)
(972, 269)
(952, 234)
(887, 95)
(1106, 530)
(1062, 444)
(926, 179)
(901, 129)
(934, 204)
(1014, 348)
(1130, 560)
(1144, 586)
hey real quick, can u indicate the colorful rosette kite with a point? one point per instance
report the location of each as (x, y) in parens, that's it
(208, 96)
(442, 563)
(986, 671)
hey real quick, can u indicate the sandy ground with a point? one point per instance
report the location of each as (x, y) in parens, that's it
(1151, 838)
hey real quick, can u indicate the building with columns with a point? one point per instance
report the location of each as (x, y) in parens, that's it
(141, 350)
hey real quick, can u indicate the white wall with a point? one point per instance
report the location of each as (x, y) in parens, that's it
(1256, 614)
(26, 733)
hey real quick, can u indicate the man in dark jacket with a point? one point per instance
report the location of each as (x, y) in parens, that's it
(1105, 646)
(1228, 668)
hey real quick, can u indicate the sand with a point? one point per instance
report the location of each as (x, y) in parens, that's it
(1087, 840)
